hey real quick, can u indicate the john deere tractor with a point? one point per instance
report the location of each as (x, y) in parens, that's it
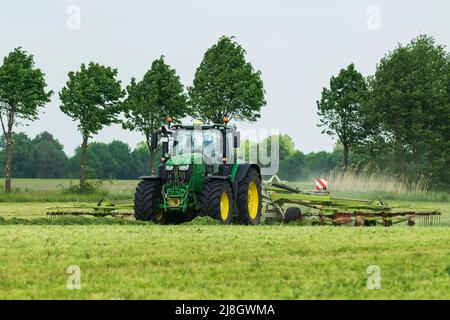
(199, 175)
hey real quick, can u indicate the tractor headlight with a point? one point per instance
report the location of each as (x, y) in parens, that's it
(169, 168)
(184, 167)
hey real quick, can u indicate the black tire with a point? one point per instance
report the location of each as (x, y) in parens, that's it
(244, 215)
(370, 223)
(210, 200)
(293, 214)
(203, 199)
(146, 197)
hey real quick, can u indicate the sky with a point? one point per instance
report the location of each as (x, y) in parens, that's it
(297, 46)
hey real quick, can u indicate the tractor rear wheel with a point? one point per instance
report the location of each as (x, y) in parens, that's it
(216, 201)
(146, 199)
(293, 214)
(249, 198)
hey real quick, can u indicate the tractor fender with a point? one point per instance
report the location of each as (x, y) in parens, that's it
(242, 171)
(221, 178)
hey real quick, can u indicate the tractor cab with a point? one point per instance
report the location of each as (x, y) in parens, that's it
(211, 146)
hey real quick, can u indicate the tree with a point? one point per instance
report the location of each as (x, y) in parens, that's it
(91, 97)
(105, 161)
(47, 157)
(340, 108)
(225, 85)
(22, 157)
(22, 92)
(409, 108)
(121, 160)
(149, 102)
(322, 162)
(41, 157)
(140, 156)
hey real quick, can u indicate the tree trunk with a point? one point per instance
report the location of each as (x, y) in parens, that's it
(83, 159)
(151, 157)
(346, 147)
(8, 162)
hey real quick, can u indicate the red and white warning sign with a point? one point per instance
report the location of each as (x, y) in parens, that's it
(321, 184)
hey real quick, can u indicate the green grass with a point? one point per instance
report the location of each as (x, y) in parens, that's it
(223, 262)
(125, 259)
(56, 190)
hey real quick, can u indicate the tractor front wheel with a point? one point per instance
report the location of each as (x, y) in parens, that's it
(216, 201)
(146, 199)
(249, 198)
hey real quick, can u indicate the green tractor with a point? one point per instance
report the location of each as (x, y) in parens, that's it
(199, 175)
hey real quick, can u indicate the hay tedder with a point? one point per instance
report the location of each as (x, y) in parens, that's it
(325, 209)
(200, 175)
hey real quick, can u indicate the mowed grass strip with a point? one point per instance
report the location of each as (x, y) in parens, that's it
(30, 210)
(223, 262)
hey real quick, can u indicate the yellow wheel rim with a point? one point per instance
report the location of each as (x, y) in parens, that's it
(253, 200)
(224, 206)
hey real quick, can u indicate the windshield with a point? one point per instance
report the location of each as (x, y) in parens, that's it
(208, 142)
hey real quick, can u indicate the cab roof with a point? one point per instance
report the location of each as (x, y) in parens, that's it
(220, 127)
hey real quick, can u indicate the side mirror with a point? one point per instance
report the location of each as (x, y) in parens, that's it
(154, 140)
(236, 140)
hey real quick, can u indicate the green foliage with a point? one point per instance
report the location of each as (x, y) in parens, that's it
(47, 157)
(322, 162)
(23, 166)
(44, 157)
(41, 157)
(91, 97)
(105, 161)
(22, 88)
(22, 92)
(408, 112)
(225, 85)
(294, 165)
(340, 108)
(140, 157)
(115, 160)
(158, 95)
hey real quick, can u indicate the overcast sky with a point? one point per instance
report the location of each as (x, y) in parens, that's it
(297, 45)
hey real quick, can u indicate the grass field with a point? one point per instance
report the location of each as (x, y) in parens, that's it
(124, 259)
(220, 262)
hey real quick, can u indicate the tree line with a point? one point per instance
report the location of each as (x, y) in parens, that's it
(224, 84)
(43, 157)
(396, 119)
